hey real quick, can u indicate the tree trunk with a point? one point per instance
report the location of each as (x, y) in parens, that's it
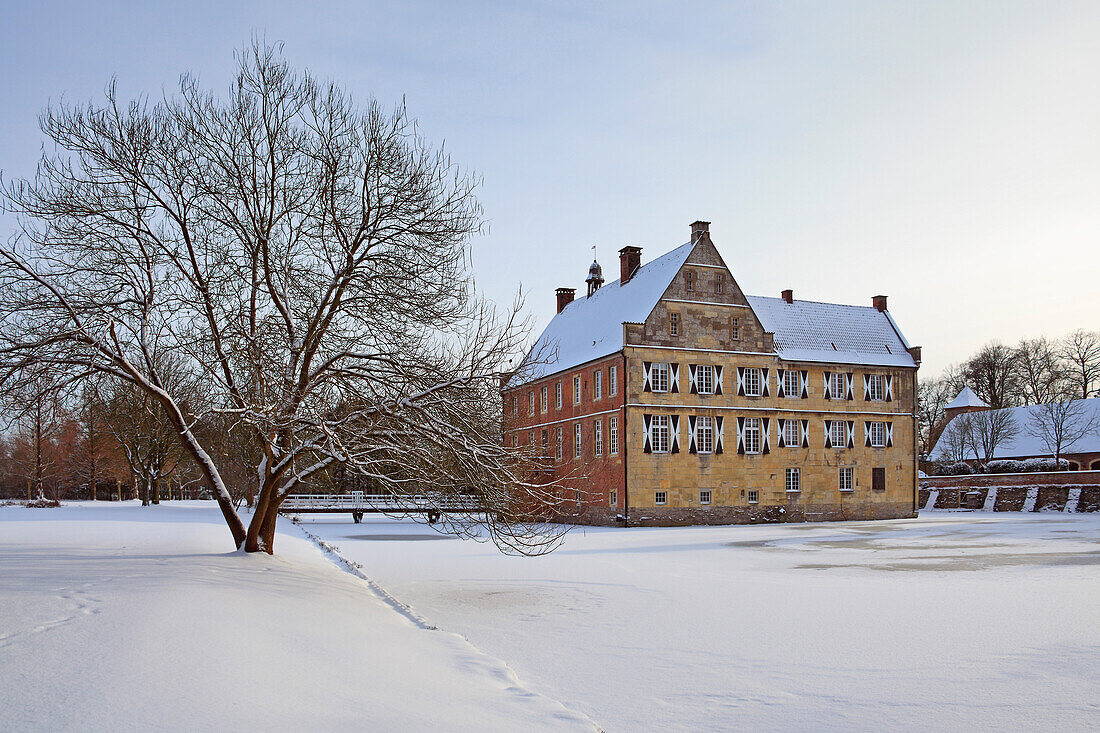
(155, 488)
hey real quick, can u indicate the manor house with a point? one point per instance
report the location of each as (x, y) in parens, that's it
(671, 397)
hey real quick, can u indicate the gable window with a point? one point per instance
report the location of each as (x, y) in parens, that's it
(836, 385)
(838, 434)
(531, 403)
(542, 399)
(790, 433)
(689, 279)
(597, 438)
(704, 378)
(754, 496)
(613, 380)
(704, 496)
(559, 436)
(660, 431)
(576, 390)
(753, 382)
(597, 384)
(660, 498)
(673, 324)
(613, 436)
(878, 434)
(876, 387)
(577, 440)
(752, 435)
(878, 479)
(792, 383)
(735, 329)
(719, 283)
(704, 434)
(557, 395)
(658, 377)
(794, 480)
(847, 478)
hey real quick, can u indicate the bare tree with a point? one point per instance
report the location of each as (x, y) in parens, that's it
(35, 417)
(139, 427)
(992, 374)
(307, 261)
(955, 440)
(1061, 423)
(1039, 374)
(933, 395)
(1081, 354)
(988, 429)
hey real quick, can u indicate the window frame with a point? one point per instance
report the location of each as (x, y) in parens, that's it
(705, 385)
(613, 498)
(689, 280)
(878, 478)
(759, 376)
(515, 405)
(719, 283)
(792, 486)
(753, 429)
(664, 370)
(578, 441)
(576, 389)
(843, 427)
(597, 384)
(704, 434)
(735, 328)
(836, 385)
(753, 496)
(531, 403)
(560, 437)
(876, 387)
(660, 498)
(557, 395)
(878, 434)
(660, 427)
(613, 435)
(847, 479)
(796, 428)
(612, 380)
(597, 438)
(544, 399)
(794, 390)
(673, 324)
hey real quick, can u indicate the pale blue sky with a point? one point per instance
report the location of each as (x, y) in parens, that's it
(946, 154)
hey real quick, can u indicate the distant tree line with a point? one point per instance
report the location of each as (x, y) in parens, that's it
(1037, 371)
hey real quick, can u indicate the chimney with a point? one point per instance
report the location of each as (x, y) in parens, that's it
(565, 297)
(699, 230)
(914, 351)
(630, 258)
(788, 295)
(879, 302)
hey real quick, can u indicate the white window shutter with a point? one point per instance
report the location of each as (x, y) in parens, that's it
(867, 433)
(828, 434)
(692, 384)
(765, 434)
(740, 435)
(889, 388)
(647, 384)
(718, 421)
(647, 433)
(889, 435)
(673, 377)
(804, 383)
(740, 382)
(779, 441)
(804, 430)
(691, 434)
(828, 391)
(851, 425)
(866, 387)
(779, 386)
(764, 381)
(674, 438)
(718, 379)
(849, 385)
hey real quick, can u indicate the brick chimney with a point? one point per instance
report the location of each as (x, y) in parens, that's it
(788, 295)
(565, 297)
(630, 258)
(700, 230)
(879, 302)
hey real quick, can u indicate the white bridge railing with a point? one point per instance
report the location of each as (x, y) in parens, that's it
(358, 501)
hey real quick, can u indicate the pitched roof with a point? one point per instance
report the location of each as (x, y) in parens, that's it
(1025, 444)
(806, 330)
(590, 328)
(966, 398)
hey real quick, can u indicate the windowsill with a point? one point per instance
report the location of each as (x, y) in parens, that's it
(847, 491)
(754, 502)
(794, 491)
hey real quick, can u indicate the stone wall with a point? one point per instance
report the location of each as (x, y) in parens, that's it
(971, 492)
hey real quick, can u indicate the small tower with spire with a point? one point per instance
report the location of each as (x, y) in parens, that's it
(595, 274)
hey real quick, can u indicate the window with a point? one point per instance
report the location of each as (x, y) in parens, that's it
(752, 435)
(660, 497)
(878, 435)
(704, 434)
(598, 438)
(876, 387)
(531, 403)
(838, 434)
(719, 283)
(531, 438)
(515, 441)
(558, 454)
(704, 378)
(613, 381)
(753, 386)
(878, 479)
(613, 436)
(836, 385)
(735, 329)
(658, 377)
(515, 406)
(847, 479)
(790, 434)
(557, 395)
(577, 440)
(545, 438)
(794, 480)
(542, 400)
(576, 390)
(614, 498)
(597, 384)
(689, 278)
(660, 433)
(704, 496)
(792, 383)
(754, 496)
(673, 324)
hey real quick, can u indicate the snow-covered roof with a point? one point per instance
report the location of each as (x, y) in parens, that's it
(806, 330)
(1025, 444)
(590, 328)
(966, 398)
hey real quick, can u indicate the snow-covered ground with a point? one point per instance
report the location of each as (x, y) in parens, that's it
(119, 618)
(947, 622)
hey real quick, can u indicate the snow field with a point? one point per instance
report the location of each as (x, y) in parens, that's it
(947, 622)
(117, 618)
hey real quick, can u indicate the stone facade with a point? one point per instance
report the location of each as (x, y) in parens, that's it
(704, 318)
